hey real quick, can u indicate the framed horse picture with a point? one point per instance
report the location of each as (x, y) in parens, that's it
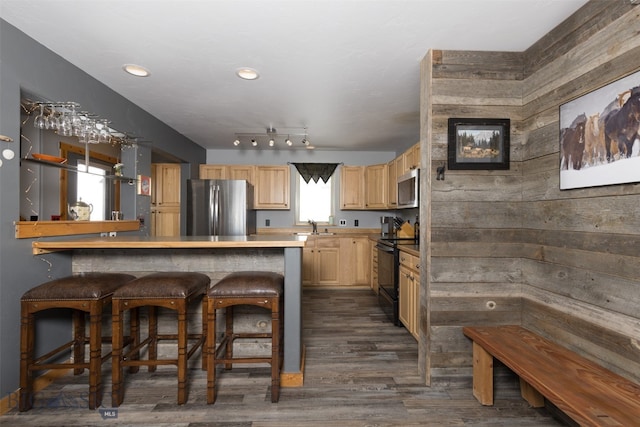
(478, 143)
(599, 140)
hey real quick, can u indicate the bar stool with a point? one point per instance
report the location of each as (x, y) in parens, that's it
(172, 290)
(83, 293)
(257, 288)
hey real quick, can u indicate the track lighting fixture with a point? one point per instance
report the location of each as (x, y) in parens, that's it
(272, 138)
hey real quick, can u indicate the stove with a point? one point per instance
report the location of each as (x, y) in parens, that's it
(389, 275)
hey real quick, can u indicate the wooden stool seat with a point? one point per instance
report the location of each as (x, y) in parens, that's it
(82, 293)
(172, 290)
(257, 288)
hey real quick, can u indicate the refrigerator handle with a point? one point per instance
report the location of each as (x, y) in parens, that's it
(215, 210)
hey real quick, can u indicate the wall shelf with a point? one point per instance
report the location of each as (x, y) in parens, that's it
(75, 169)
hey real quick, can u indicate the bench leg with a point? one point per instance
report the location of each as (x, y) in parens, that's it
(482, 375)
(531, 395)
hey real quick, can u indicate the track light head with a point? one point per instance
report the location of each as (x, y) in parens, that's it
(236, 142)
(254, 142)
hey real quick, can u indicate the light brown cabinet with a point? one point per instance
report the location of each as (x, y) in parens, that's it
(272, 187)
(409, 293)
(392, 183)
(321, 261)
(354, 254)
(373, 276)
(376, 186)
(165, 199)
(246, 172)
(352, 187)
(410, 159)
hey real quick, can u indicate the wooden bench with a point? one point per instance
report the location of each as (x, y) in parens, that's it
(585, 391)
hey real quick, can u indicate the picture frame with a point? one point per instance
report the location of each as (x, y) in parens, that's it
(599, 140)
(144, 185)
(478, 144)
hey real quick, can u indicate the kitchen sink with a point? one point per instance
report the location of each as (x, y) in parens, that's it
(308, 233)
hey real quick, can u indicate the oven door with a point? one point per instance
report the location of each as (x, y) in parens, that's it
(387, 287)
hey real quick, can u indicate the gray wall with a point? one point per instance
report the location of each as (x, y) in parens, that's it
(25, 65)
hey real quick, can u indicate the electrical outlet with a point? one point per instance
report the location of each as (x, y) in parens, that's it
(104, 234)
(342, 223)
(267, 222)
(112, 234)
(356, 223)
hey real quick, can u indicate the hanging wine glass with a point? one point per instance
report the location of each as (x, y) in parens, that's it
(66, 124)
(39, 120)
(92, 132)
(104, 134)
(52, 122)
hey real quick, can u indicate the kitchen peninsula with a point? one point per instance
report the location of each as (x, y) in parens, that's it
(213, 255)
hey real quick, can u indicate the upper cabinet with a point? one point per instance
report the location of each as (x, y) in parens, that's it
(246, 172)
(375, 184)
(272, 187)
(352, 187)
(165, 184)
(410, 159)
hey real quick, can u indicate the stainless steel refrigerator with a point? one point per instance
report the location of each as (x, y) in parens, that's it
(220, 207)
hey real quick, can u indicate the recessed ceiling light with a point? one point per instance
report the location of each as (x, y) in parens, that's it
(136, 70)
(247, 73)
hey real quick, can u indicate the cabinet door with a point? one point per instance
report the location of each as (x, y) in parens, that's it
(245, 172)
(352, 187)
(272, 187)
(404, 297)
(166, 183)
(213, 172)
(308, 264)
(374, 266)
(166, 222)
(392, 184)
(327, 266)
(376, 186)
(416, 307)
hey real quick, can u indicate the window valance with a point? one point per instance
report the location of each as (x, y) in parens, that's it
(316, 171)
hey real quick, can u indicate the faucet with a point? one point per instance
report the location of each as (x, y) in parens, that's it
(314, 226)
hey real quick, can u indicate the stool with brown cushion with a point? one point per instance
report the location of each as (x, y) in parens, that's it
(82, 293)
(257, 288)
(172, 290)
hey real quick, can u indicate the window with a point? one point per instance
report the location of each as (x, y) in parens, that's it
(315, 201)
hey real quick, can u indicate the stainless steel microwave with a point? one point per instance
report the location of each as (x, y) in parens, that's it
(409, 189)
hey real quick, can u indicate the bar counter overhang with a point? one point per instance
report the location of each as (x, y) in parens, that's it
(212, 255)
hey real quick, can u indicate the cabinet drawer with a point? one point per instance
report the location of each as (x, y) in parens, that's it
(327, 242)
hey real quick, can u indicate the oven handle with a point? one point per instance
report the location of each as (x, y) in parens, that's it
(384, 248)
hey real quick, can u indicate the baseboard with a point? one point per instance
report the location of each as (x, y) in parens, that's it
(10, 401)
(294, 379)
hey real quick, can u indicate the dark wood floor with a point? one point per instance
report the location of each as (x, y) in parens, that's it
(360, 371)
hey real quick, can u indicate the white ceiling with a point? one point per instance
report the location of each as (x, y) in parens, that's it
(347, 70)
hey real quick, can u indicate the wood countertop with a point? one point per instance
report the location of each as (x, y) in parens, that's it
(184, 242)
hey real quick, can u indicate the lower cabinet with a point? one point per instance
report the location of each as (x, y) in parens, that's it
(354, 254)
(409, 293)
(321, 261)
(165, 222)
(332, 260)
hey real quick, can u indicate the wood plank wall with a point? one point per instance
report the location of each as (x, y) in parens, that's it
(509, 246)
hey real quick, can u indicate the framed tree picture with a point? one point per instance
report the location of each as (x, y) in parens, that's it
(478, 143)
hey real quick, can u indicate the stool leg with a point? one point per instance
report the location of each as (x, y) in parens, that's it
(275, 351)
(204, 334)
(78, 340)
(116, 353)
(95, 355)
(211, 350)
(229, 336)
(153, 334)
(25, 395)
(134, 331)
(182, 351)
